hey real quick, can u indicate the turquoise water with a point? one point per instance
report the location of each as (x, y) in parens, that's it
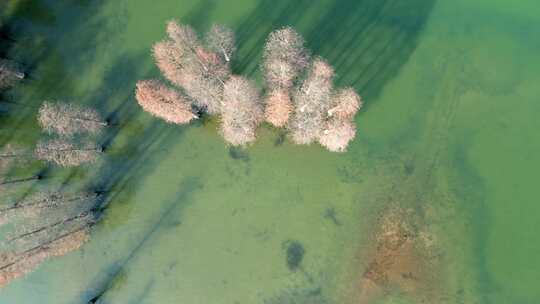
(447, 131)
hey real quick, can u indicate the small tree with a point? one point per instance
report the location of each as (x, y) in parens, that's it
(312, 101)
(10, 73)
(278, 108)
(345, 103)
(69, 119)
(221, 40)
(284, 58)
(67, 153)
(163, 102)
(242, 111)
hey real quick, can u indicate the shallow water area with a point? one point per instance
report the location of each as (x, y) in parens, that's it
(446, 134)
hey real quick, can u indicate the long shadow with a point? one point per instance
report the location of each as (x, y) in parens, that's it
(97, 293)
(366, 41)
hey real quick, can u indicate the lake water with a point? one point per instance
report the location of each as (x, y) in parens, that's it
(448, 132)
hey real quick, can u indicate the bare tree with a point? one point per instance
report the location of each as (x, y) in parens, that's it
(10, 73)
(44, 225)
(337, 134)
(221, 40)
(242, 111)
(284, 58)
(345, 103)
(339, 128)
(16, 264)
(163, 102)
(278, 107)
(185, 62)
(69, 119)
(312, 101)
(67, 153)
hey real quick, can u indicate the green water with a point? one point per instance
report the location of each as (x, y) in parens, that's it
(448, 130)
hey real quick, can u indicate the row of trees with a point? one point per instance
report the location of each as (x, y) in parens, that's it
(72, 127)
(299, 93)
(71, 141)
(36, 225)
(45, 224)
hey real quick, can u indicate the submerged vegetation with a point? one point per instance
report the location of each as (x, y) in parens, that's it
(299, 94)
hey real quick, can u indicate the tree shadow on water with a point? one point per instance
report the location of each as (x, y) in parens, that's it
(366, 41)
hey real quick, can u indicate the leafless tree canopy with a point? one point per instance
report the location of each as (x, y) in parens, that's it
(67, 153)
(345, 104)
(278, 107)
(221, 40)
(17, 264)
(10, 73)
(242, 111)
(303, 101)
(312, 101)
(284, 58)
(69, 119)
(41, 226)
(337, 134)
(164, 102)
(200, 71)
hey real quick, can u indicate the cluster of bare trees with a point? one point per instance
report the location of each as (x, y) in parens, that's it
(299, 93)
(44, 225)
(201, 71)
(65, 121)
(305, 102)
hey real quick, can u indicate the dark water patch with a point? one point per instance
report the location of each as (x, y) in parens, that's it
(238, 153)
(294, 252)
(331, 215)
(471, 190)
(350, 174)
(280, 139)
